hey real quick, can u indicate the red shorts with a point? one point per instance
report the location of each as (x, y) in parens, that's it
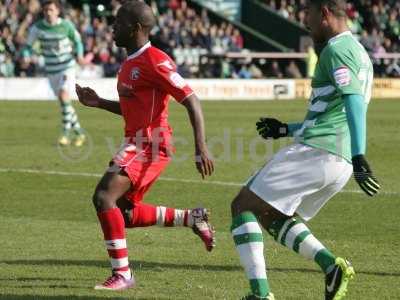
(143, 167)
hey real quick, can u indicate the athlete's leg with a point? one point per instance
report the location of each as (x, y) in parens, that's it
(70, 118)
(63, 84)
(287, 230)
(248, 238)
(294, 234)
(139, 214)
(56, 82)
(110, 188)
(297, 180)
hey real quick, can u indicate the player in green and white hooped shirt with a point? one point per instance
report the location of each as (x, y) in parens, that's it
(59, 42)
(329, 147)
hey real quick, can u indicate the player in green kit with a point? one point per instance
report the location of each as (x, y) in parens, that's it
(59, 43)
(329, 147)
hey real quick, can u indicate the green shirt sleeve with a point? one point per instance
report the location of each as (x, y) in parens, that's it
(75, 37)
(293, 127)
(356, 112)
(343, 71)
(32, 37)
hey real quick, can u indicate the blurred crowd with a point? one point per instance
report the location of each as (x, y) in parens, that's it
(190, 37)
(186, 35)
(375, 22)
(181, 32)
(16, 16)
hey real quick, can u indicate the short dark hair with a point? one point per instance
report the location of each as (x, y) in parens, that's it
(48, 2)
(140, 12)
(337, 7)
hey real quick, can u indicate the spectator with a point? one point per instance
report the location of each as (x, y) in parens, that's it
(393, 70)
(227, 70)
(178, 26)
(255, 71)
(292, 70)
(377, 51)
(371, 20)
(237, 40)
(6, 66)
(367, 41)
(283, 10)
(181, 28)
(312, 60)
(274, 70)
(394, 25)
(301, 17)
(174, 4)
(244, 72)
(111, 67)
(25, 67)
(354, 23)
(184, 70)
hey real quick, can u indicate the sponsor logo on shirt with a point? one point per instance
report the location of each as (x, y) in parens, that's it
(342, 76)
(135, 73)
(166, 64)
(177, 80)
(125, 90)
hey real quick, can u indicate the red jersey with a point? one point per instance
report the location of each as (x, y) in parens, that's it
(145, 82)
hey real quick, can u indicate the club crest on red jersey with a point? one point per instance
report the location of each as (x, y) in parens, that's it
(135, 73)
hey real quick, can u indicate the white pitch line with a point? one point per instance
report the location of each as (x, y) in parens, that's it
(61, 173)
(97, 175)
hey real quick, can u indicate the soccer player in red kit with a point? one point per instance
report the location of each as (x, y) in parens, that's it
(145, 82)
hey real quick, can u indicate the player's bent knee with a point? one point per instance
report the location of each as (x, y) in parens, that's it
(101, 200)
(63, 96)
(235, 206)
(273, 228)
(240, 204)
(126, 209)
(97, 201)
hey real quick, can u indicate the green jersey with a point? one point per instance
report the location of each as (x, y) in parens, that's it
(343, 68)
(58, 44)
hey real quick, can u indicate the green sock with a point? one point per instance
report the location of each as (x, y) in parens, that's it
(248, 239)
(76, 126)
(295, 235)
(67, 112)
(70, 119)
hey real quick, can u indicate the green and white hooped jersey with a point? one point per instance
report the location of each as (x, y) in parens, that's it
(344, 67)
(58, 44)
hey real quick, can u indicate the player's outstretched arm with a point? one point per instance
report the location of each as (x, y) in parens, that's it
(204, 163)
(356, 112)
(32, 37)
(89, 97)
(76, 39)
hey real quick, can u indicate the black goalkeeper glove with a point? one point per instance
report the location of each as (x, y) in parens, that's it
(364, 177)
(272, 128)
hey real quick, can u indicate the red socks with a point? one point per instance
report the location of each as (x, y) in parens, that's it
(113, 225)
(144, 215)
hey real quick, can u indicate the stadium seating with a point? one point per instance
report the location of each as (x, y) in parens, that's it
(173, 18)
(188, 35)
(376, 23)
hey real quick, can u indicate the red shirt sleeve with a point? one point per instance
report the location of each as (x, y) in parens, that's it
(170, 81)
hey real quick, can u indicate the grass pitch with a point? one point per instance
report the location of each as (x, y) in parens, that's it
(52, 247)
